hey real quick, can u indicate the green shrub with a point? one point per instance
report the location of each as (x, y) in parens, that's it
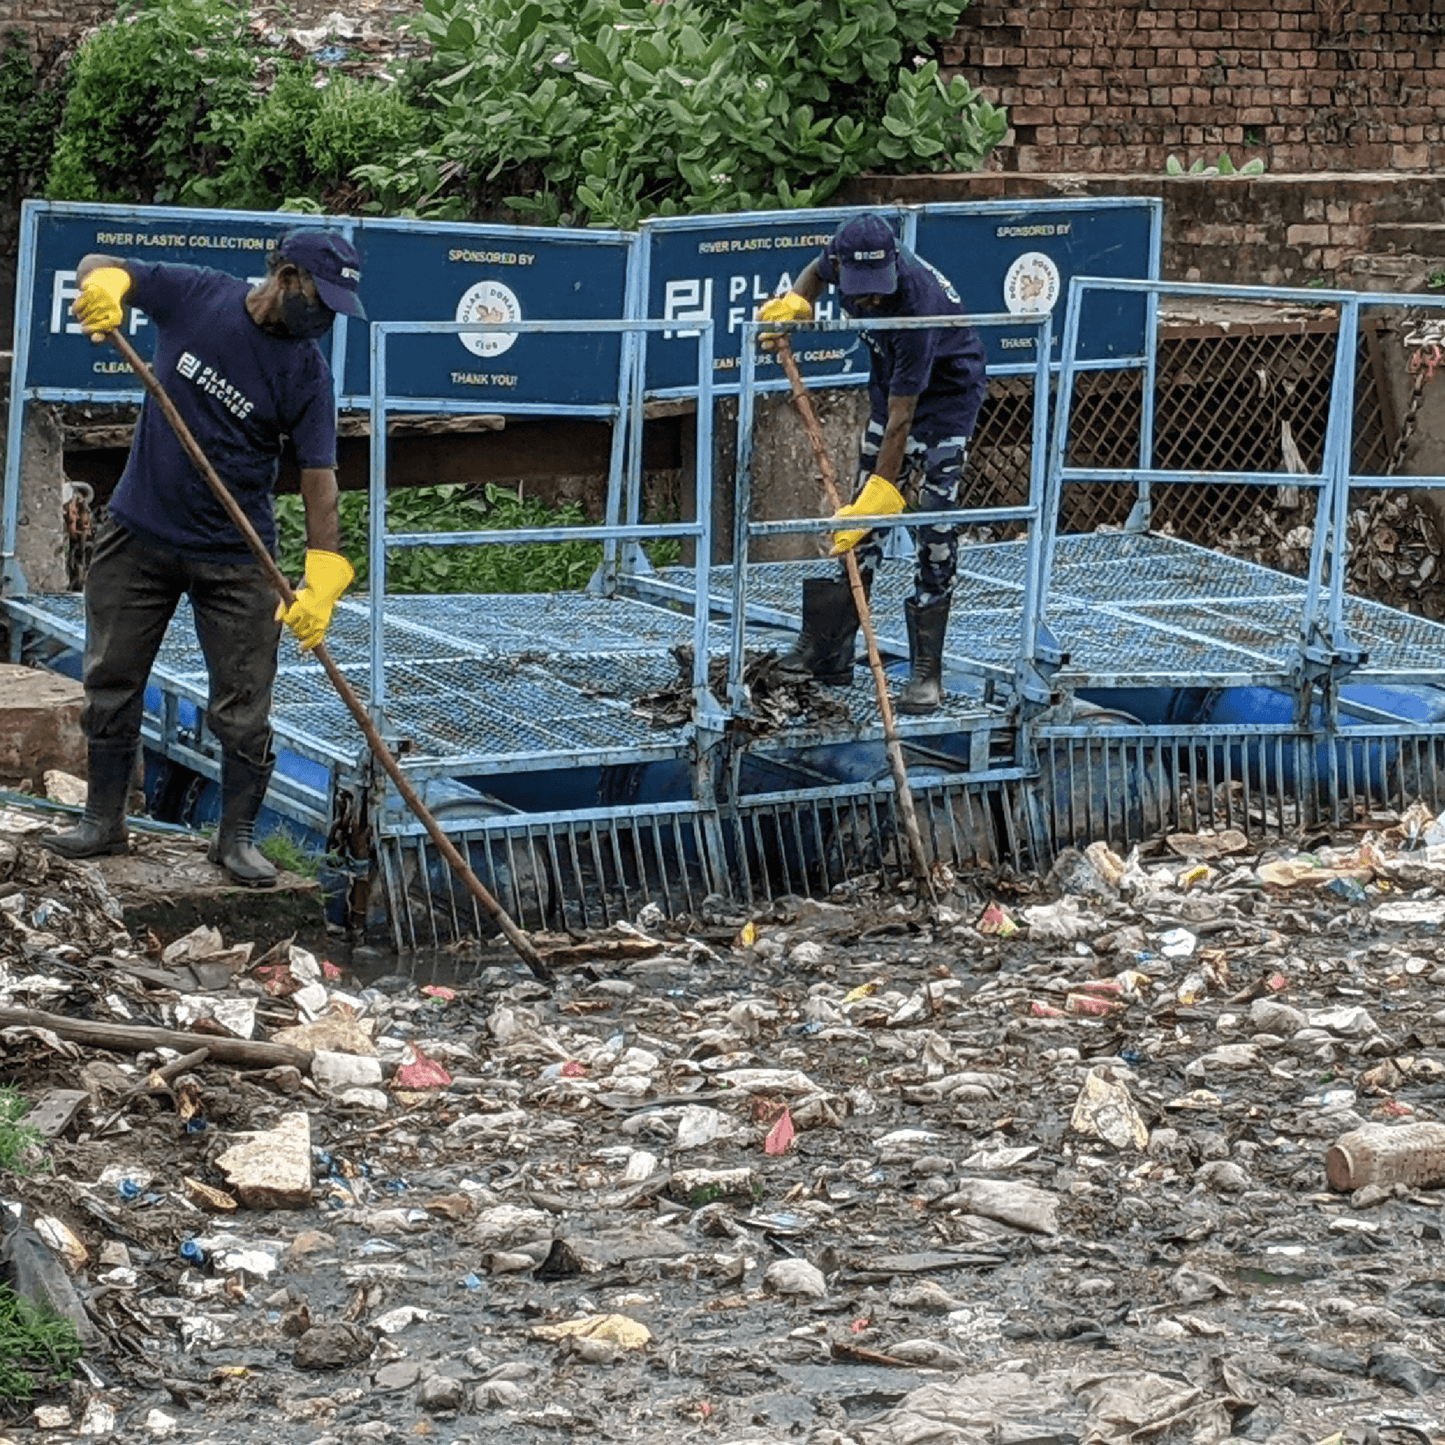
(29, 114)
(305, 137)
(155, 99)
(609, 111)
(597, 112)
(496, 567)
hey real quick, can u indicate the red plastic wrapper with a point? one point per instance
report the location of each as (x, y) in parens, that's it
(1092, 1006)
(421, 1073)
(993, 920)
(781, 1135)
(1045, 1010)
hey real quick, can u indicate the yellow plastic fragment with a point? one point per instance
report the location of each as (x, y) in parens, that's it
(617, 1329)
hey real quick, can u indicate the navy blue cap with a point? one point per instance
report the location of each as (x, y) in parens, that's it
(334, 266)
(865, 251)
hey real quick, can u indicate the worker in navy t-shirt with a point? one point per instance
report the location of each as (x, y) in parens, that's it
(926, 387)
(242, 365)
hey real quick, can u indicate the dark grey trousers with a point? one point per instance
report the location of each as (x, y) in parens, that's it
(131, 592)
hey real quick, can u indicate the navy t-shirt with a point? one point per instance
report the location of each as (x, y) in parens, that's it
(241, 391)
(944, 368)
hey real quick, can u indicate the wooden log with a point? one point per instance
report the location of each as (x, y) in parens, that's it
(136, 1038)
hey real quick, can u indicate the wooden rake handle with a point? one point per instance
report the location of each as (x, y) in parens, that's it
(804, 402)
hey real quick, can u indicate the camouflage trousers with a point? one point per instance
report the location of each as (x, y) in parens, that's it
(932, 480)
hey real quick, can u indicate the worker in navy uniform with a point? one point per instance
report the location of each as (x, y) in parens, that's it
(242, 364)
(926, 387)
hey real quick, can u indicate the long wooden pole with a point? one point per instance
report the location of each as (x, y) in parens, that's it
(137, 1038)
(811, 425)
(474, 885)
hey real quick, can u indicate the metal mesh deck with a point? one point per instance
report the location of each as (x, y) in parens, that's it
(547, 680)
(482, 682)
(1127, 607)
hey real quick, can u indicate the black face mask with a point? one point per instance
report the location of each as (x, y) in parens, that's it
(303, 318)
(885, 305)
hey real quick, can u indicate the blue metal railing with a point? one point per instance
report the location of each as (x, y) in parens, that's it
(380, 539)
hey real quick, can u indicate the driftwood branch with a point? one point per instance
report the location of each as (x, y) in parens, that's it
(136, 1038)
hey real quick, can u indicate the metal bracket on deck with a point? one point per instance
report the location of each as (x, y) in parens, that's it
(1034, 674)
(1324, 662)
(13, 582)
(632, 561)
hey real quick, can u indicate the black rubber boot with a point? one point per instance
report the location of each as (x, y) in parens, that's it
(923, 692)
(830, 629)
(101, 829)
(243, 787)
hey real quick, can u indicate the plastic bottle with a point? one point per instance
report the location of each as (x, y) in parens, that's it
(1408, 1154)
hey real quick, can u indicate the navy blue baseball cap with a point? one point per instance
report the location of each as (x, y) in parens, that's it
(334, 266)
(865, 251)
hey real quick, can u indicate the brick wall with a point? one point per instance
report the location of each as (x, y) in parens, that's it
(1119, 85)
(53, 25)
(1364, 232)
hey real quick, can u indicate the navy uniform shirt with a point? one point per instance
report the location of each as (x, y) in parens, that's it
(944, 369)
(241, 391)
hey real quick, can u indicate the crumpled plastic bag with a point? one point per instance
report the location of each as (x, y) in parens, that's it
(1060, 922)
(1105, 1110)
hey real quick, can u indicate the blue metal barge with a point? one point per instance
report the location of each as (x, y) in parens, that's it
(1107, 685)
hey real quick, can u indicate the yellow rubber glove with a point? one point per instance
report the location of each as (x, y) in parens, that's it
(100, 307)
(879, 498)
(791, 307)
(328, 575)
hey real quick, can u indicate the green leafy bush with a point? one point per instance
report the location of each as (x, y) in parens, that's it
(608, 111)
(29, 114)
(155, 99)
(601, 112)
(496, 567)
(305, 137)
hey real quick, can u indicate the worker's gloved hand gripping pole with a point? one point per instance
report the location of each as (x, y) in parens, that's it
(324, 584)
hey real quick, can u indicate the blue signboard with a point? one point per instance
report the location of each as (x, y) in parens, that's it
(411, 271)
(420, 272)
(60, 357)
(725, 267)
(1018, 257)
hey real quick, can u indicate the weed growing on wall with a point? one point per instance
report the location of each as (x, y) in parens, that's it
(29, 114)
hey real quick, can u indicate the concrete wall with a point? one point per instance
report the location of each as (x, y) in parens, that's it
(1119, 85)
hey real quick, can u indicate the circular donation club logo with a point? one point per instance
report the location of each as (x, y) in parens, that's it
(488, 301)
(1032, 285)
